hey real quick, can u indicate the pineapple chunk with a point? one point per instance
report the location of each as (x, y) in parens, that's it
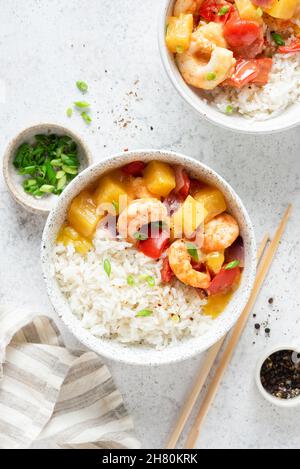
(248, 11)
(283, 9)
(68, 235)
(159, 178)
(137, 189)
(111, 191)
(215, 261)
(188, 218)
(212, 200)
(82, 215)
(83, 246)
(179, 31)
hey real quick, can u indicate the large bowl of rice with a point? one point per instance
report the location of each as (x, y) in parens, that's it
(81, 296)
(272, 108)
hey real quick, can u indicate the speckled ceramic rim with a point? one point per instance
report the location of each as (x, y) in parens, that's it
(286, 404)
(285, 120)
(30, 203)
(141, 355)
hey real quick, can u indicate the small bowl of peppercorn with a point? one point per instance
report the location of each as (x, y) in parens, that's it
(278, 376)
(40, 162)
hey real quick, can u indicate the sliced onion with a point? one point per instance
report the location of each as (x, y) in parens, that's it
(179, 176)
(173, 203)
(195, 186)
(198, 266)
(236, 252)
(263, 3)
(183, 182)
(109, 224)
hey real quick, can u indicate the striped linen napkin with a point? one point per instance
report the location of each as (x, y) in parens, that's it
(50, 394)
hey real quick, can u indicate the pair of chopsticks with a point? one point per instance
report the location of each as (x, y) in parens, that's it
(264, 263)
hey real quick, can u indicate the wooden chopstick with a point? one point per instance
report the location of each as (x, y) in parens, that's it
(262, 247)
(194, 394)
(236, 334)
(202, 377)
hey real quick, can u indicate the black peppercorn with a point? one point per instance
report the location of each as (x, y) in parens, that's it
(280, 375)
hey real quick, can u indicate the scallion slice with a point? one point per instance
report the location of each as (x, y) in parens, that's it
(107, 267)
(232, 265)
(193, 251)
(140, 236)
(144, 313)
(82, 86)
(277, 38)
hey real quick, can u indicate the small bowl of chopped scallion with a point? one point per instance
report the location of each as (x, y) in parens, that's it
(40, 162)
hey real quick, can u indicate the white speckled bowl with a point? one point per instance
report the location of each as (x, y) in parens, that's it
(14, 180)
(283, 403)
(139, 354)
(285, 120)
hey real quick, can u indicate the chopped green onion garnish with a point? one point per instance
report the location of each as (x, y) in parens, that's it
(87, 119)
(151, 281)
(130, 280)
(278, 39)
(211, 76)
(229, 109)
(82, 104)
(47, 189)
(232, 265)
(223, 11)
(60, 174)
(61, 183)
(68, 160)
(107, 267)
(56, 163)
(52, 162)
(82, 86)
(29, 182)
(70, 169)
(179, 49)
(28, 170)
(69, 112)
(140, 236)
(193, 251)
(115, 205)
(38, 193)
(142, 278)
(144, 313)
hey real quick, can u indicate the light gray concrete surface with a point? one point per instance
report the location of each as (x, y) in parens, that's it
(45, 46)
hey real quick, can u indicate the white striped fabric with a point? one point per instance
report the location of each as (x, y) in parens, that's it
(54, 396)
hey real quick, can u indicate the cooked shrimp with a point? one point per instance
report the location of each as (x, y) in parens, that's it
(296, 15)
(139, 213)
(180, 263)
(220, 233)
(278, 25)
(205, 65)
(187, 6)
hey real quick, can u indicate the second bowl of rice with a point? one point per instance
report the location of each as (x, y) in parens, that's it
(272, 108)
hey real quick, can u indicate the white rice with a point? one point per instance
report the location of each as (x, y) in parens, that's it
(107, 307)
(261, 103)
